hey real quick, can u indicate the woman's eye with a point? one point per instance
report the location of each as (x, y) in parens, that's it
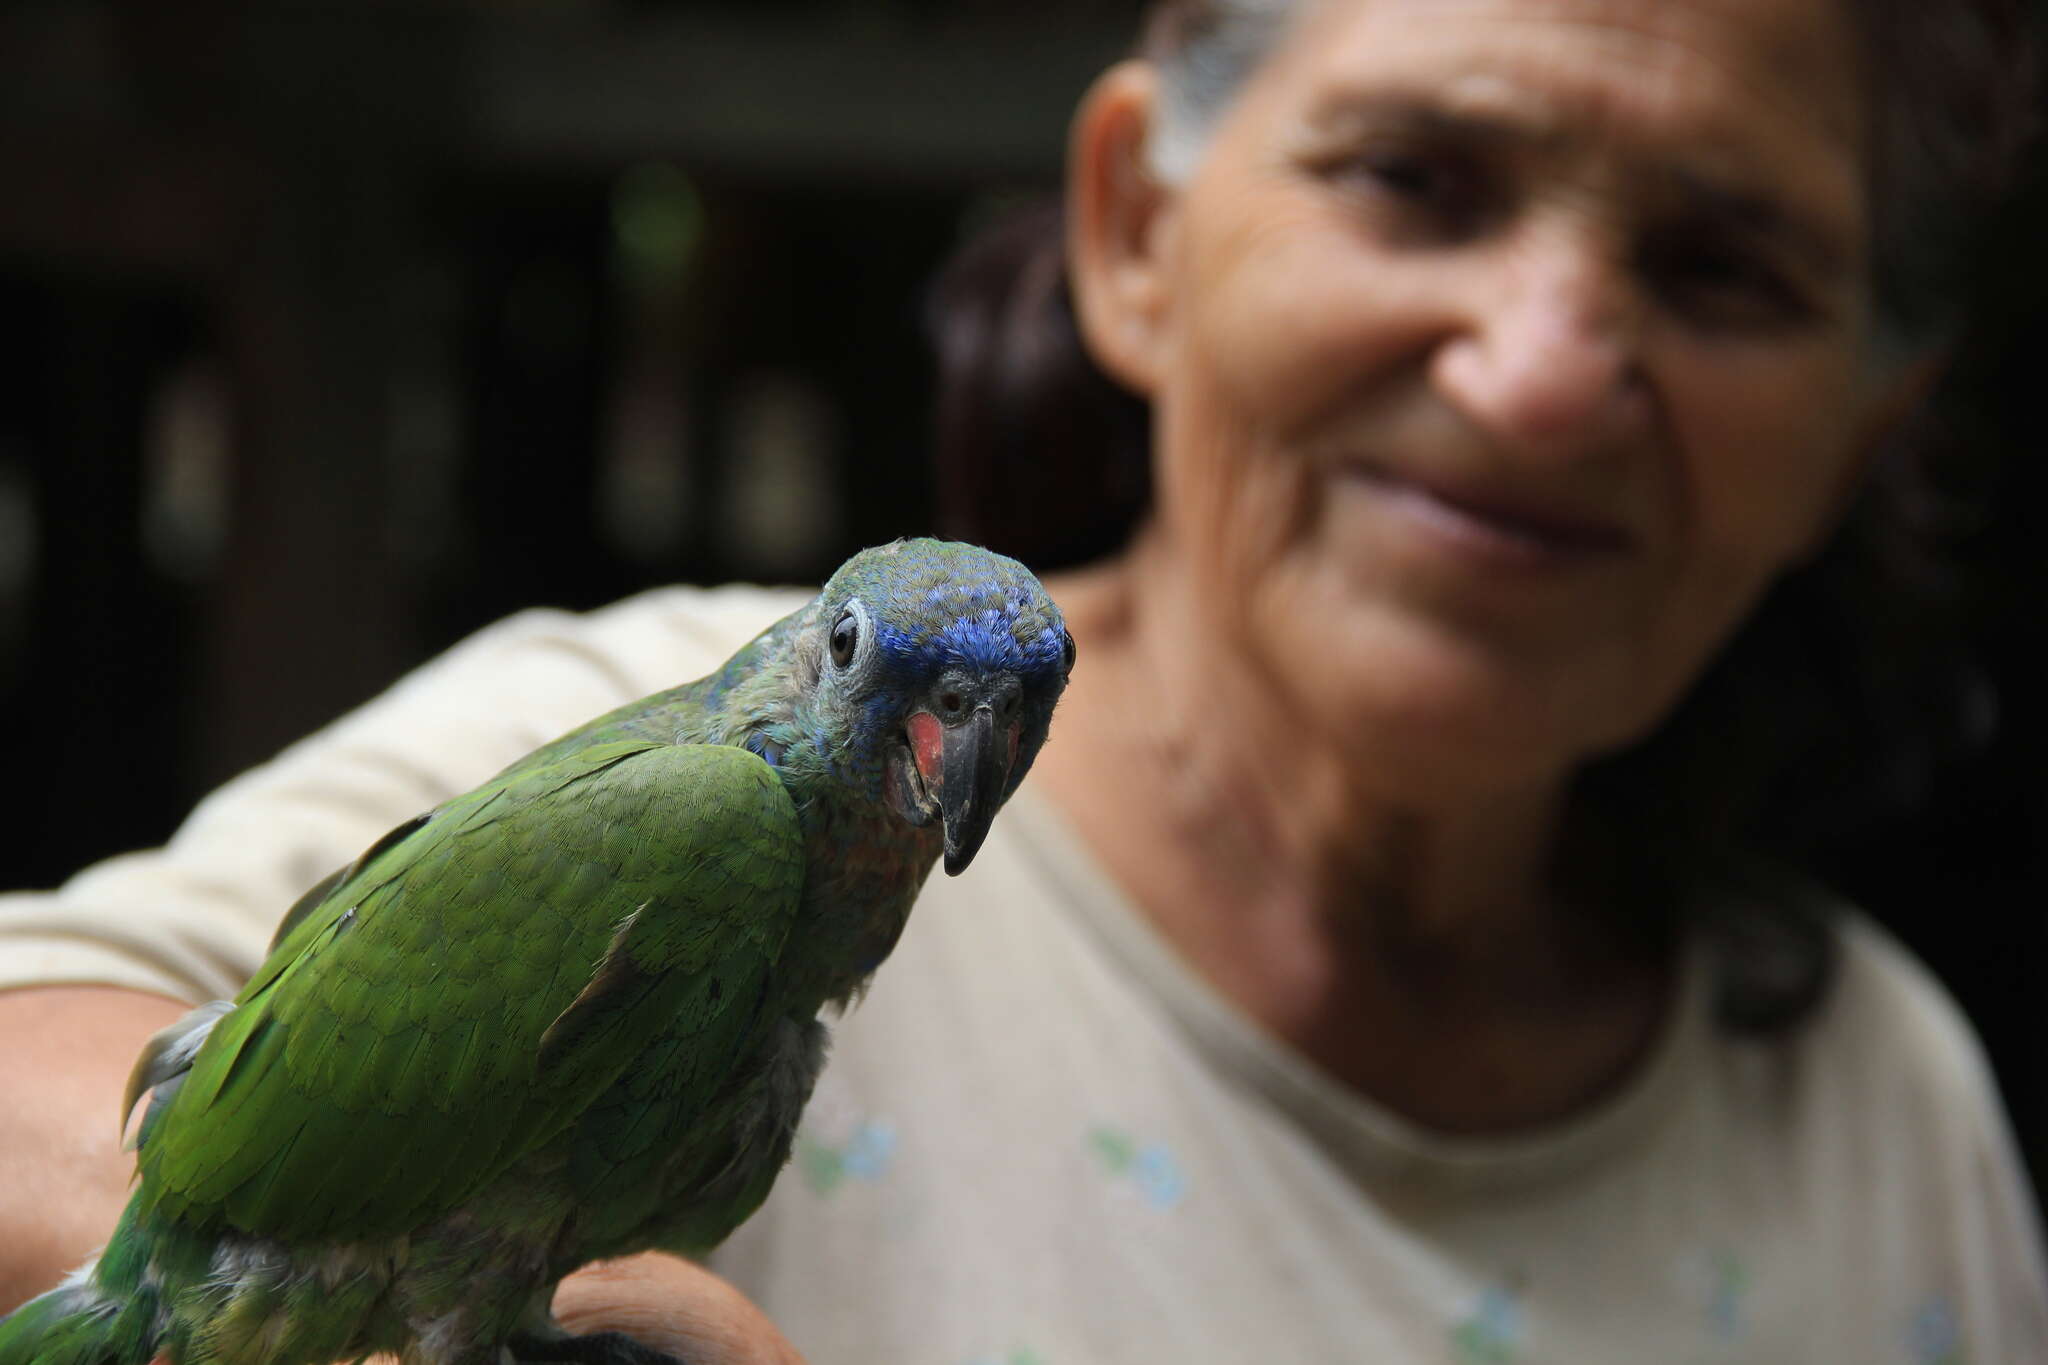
(1414, 177)
(1723, 285)
(1440, 191)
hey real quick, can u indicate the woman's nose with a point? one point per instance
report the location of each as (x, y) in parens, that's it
(1549, 364)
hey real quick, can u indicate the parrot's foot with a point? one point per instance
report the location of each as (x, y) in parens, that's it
(595, 1348)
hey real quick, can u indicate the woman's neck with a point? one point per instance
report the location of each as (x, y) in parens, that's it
(1423, 955)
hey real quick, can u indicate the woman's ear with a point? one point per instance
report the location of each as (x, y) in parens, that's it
(1117, 212)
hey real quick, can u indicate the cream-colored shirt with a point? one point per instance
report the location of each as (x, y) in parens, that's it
(1043, 1140)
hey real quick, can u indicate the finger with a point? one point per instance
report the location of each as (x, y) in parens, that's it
(673, 1306)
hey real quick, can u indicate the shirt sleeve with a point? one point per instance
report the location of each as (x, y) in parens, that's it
(1986, 1297)
(192, 919)
(2001, 1256)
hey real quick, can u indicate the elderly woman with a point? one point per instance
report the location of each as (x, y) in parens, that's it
(1335, 991)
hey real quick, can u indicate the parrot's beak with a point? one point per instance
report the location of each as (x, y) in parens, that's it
(976, 767)
(966, 767)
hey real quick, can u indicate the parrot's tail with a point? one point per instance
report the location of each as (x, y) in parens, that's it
(79, 1323)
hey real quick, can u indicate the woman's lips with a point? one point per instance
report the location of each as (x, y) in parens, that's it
(1498, 527)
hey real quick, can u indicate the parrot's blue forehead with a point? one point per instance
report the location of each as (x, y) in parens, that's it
(977, 629)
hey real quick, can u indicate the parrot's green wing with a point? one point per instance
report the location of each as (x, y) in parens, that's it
(471, 984)
(316, 896)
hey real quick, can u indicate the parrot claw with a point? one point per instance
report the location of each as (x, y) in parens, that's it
(595, 1348)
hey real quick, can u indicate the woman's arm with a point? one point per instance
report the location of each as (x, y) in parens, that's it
(65, 1052)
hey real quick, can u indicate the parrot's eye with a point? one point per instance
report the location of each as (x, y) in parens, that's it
(845, 638)
(1066, 652)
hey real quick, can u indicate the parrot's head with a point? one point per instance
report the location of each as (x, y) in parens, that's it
(934, 667)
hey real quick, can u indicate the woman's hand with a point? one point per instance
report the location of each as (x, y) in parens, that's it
(673, 1306)
(669, 1305)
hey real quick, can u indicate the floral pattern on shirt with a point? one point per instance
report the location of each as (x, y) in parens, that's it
(1716, 1279)
(864, 1154)
(1492, 1333)
(1150, 1167)
(1936, 1334)
(1023, 1355)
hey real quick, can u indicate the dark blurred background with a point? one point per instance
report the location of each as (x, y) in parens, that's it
(331, 332)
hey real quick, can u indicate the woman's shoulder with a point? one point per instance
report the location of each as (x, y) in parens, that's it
(652, 639)
(1888, 1006)
(1878, 1055)
(1885, 1098)
(1856, 988)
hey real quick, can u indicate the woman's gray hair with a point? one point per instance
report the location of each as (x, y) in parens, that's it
(1204, 51)
(1949, 111)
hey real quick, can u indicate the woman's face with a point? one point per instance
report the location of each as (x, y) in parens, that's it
(1504, 351)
